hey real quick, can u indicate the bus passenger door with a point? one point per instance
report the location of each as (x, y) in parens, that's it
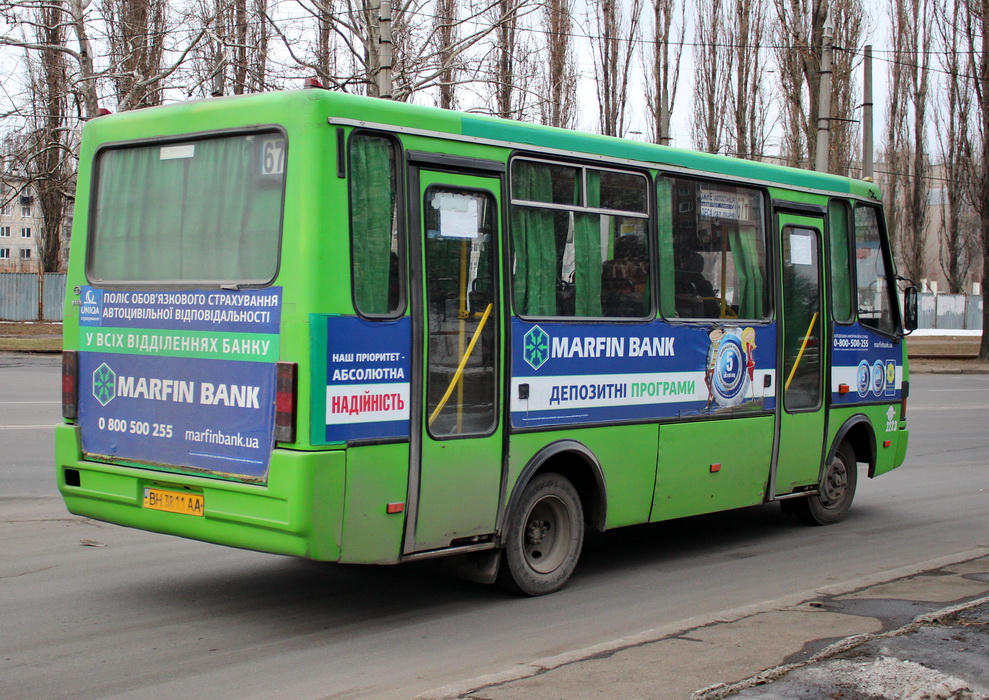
(456, 464)
(805, 353)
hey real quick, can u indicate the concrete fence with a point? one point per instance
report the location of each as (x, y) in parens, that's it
(954, 312)
(28, 296)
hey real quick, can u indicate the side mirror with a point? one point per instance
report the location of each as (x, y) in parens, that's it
(910, 305)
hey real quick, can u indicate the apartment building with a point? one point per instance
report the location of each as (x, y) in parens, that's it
(20, 224)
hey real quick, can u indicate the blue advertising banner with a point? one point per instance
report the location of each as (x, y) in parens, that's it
(572, 373)
(181, 379)
(368, 378)
(868, 363)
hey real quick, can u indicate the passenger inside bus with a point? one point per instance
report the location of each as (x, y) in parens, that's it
(624, 278)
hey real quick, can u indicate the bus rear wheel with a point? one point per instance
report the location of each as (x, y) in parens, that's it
(544, 536)
(834, 494)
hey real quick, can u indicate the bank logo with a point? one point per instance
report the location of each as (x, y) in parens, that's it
(104, 384)
(863, 378)
(535, 348)
(878, 377)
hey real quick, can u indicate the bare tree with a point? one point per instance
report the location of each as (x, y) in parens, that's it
(617, 33)
(349, 52)
(712, 63)
(959, 244)
(234, 58)
(558, 106)
(908, 165)
(74, 14)
(663, 67)
(798, 31)
(48, 159)
(445, 39)
(135, 35)
(746, 86)
(845, 126)
(509, 65)
(974, 24)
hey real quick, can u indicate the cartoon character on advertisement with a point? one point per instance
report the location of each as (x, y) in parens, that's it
(715, 336)
(748, 347)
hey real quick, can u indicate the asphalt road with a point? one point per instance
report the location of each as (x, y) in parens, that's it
(92, 610)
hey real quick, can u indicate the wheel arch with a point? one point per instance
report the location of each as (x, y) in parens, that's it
(860, 434)
(575, 461)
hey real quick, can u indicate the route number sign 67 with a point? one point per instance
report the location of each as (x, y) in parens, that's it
(273, 156)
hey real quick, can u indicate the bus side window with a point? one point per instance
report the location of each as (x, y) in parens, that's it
(571, 258)
(874, 307)
(842, 272)
(374, 233)
(712, 250)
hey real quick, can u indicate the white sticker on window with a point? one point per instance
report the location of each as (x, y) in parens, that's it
(172, 152)
(458, 215)
(801, 249)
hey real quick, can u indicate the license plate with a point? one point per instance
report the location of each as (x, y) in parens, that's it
(174, 501)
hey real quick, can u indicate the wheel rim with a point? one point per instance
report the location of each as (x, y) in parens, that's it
(835, 483)
(547, 534)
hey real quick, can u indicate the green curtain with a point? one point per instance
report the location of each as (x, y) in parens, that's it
(204, 217)
(372, 205)
(587, 252)
(667, 266)
(126, 234)
(841, 276)
(534, 242)
(748, 267)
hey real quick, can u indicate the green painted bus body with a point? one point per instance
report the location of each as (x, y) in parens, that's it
(328, 501)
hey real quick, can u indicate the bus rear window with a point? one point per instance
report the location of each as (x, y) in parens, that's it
(201, 211)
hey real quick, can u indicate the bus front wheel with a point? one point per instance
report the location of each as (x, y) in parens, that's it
(835, 492)
(544, 536)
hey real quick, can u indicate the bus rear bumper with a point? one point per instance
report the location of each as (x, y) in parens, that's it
(297, 512)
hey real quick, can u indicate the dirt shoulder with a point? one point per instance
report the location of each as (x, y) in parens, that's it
(30, 337)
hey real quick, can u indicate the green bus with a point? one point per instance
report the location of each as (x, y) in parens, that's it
(356, 330)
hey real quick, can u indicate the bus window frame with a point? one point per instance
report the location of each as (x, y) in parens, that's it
(94, 187)
(891, 274)
(582, 165)
(496, 316)
(827, 330)
(770, 246)
(852, 268)
(401, 218)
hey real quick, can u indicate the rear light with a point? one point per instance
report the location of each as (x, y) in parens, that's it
(285, 401)
(70, 384)
(904, 393)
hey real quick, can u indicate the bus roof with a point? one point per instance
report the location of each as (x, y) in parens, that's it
(343, 108)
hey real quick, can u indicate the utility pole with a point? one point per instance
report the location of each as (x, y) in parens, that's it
(385, 71)
(824, 116)
(867, 172)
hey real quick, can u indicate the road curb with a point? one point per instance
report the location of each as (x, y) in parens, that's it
(466, 687)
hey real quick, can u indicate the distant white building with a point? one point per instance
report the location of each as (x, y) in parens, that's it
(20, 225)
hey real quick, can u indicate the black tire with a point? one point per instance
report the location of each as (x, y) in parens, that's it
(835, 492)
(544, 536)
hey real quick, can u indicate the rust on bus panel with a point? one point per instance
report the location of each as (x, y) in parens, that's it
(173, 469)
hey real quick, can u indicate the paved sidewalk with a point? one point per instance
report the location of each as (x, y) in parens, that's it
(921, 632)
